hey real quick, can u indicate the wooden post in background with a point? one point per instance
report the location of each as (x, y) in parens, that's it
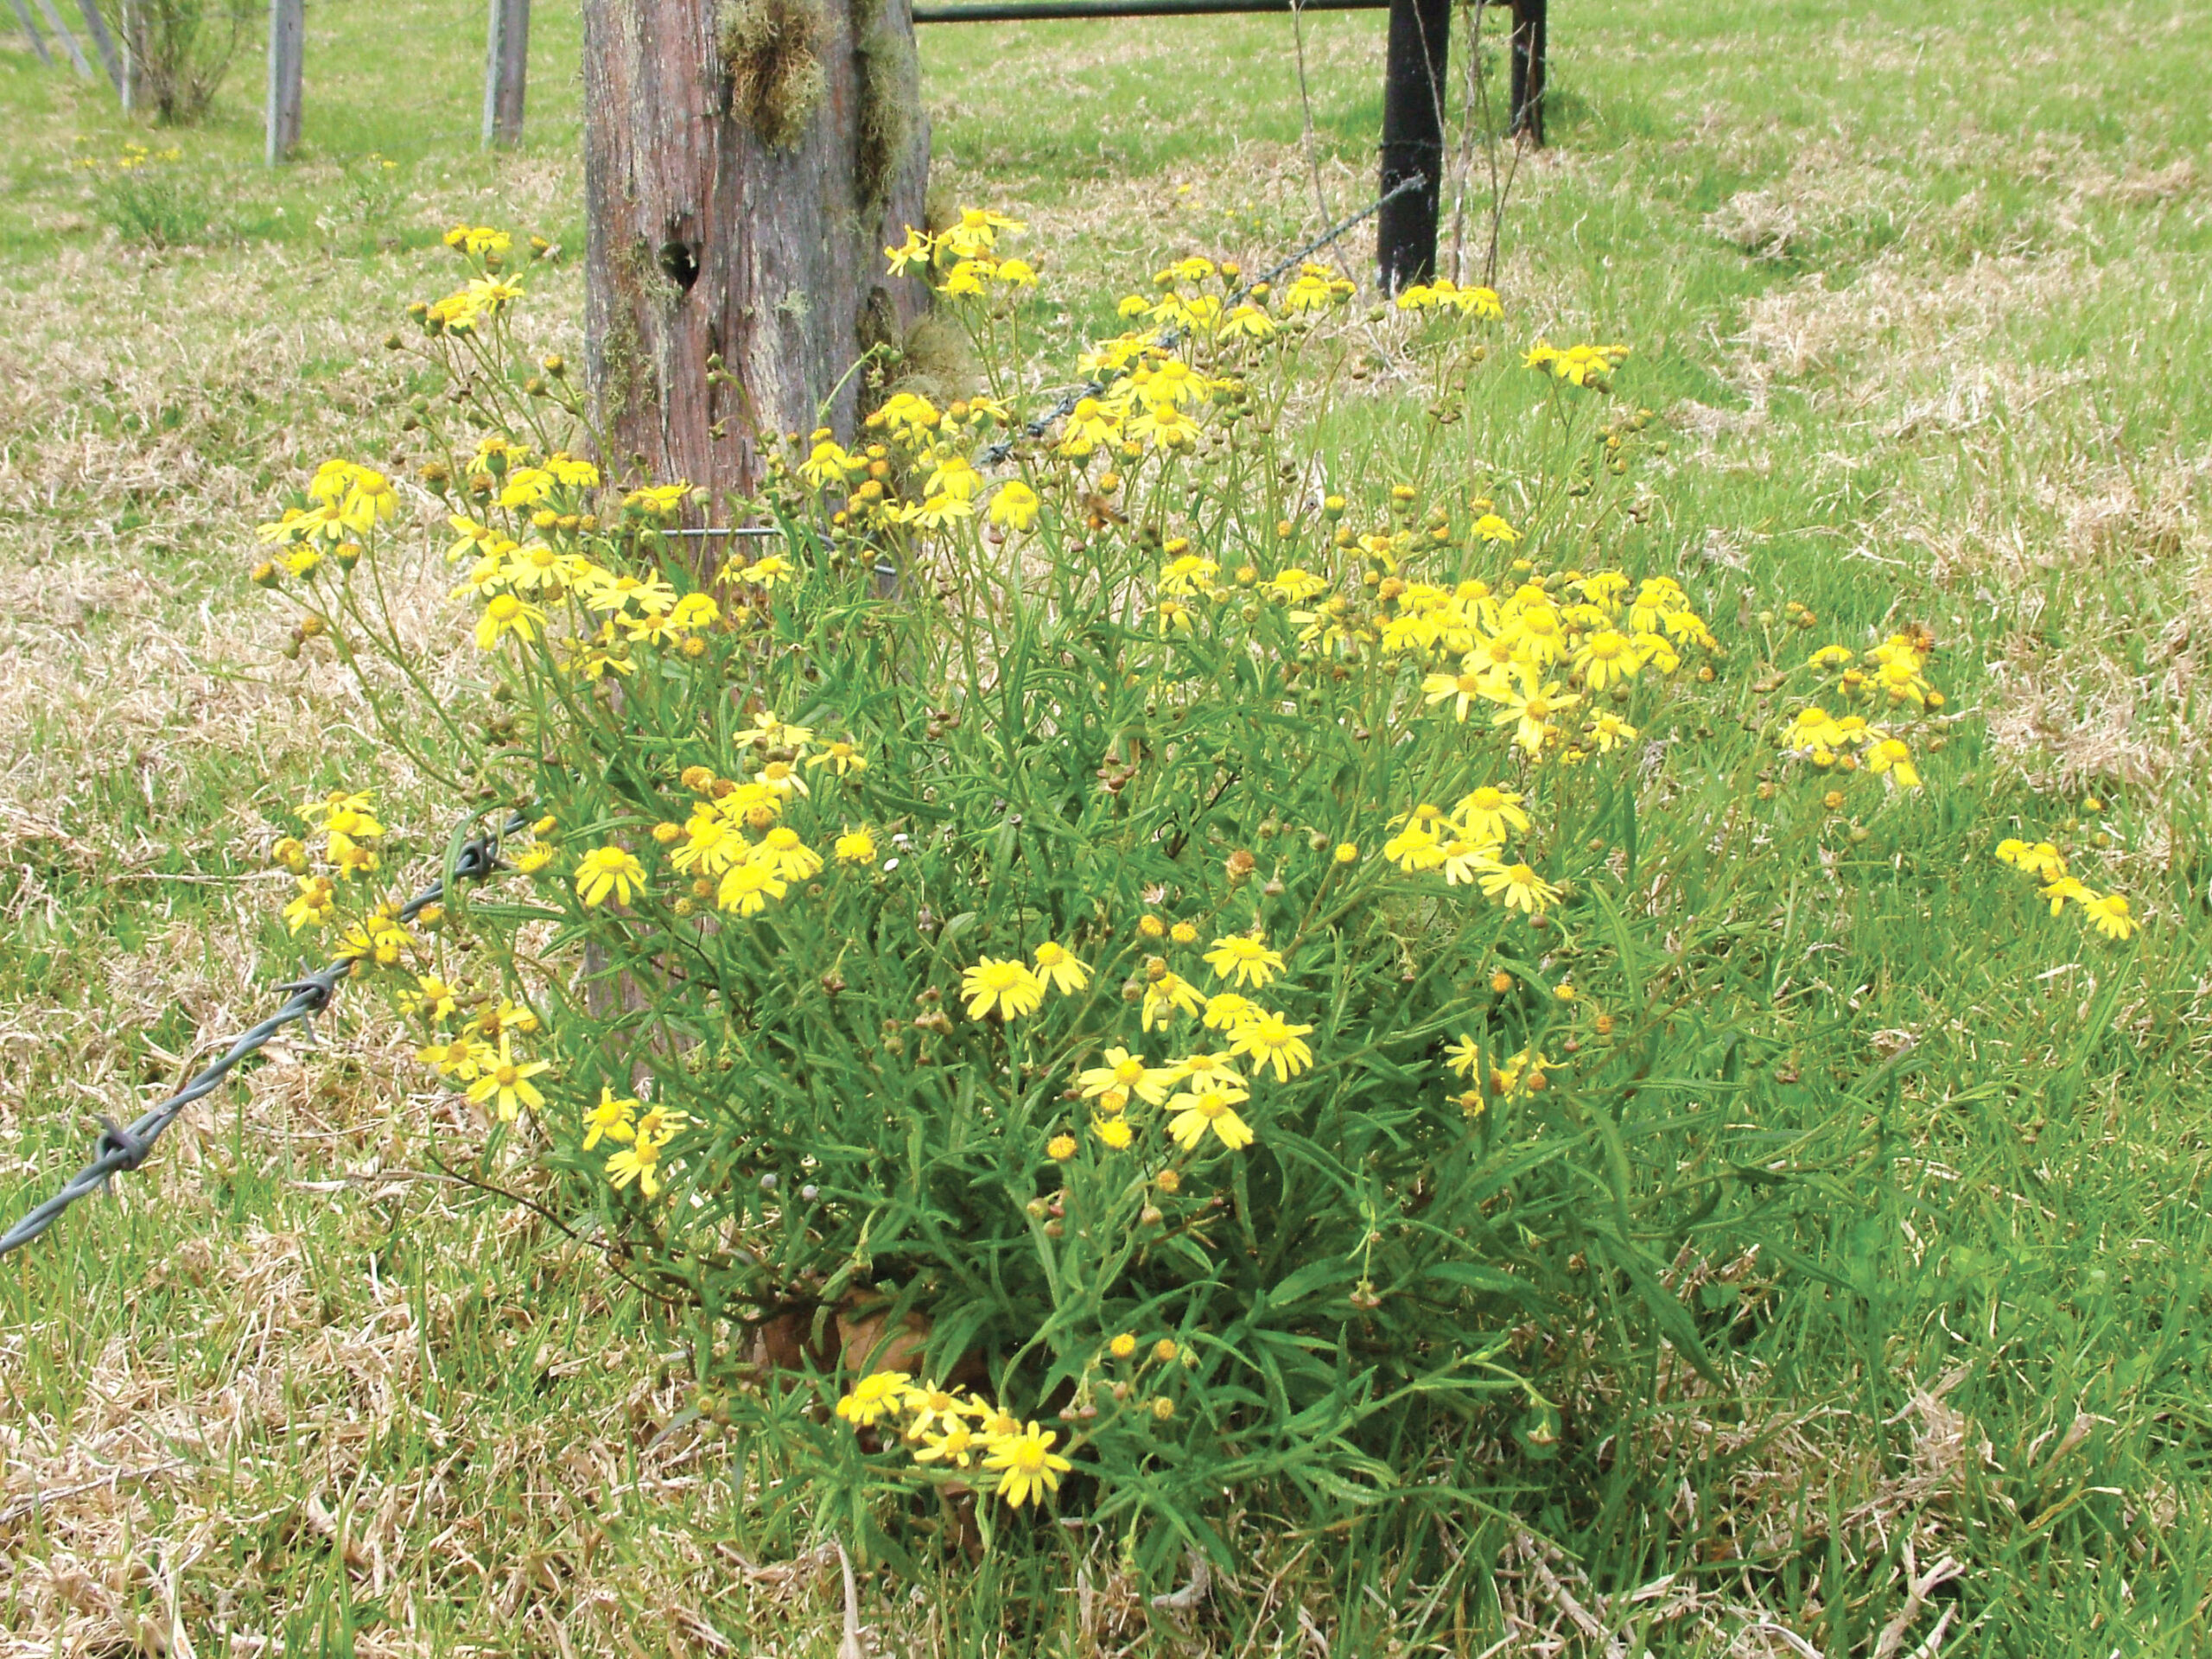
(1412, 139)
(130, 47)
(1530, 51)
(38, 41)
(103, 43)
(506, 68)
(69, 41)
(288, 28)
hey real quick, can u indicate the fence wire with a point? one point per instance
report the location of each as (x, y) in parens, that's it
(120, 1148)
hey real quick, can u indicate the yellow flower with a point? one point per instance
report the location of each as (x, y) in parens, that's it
(1464, 860)
(1347, 853)
(1490, 814)
(1208, 1071)
(785, 857)
(1607, 655)
(1270, 1039)
(1007, 985)
(955, 1446)
(1491, 528)
(1057, 968)
(855, 847)
(1244, 959)
(2111, 915)
(1466, 688)
(1030, 1468)
(1892, 756)
(1113, 1131)
(1529, 707)
(507, 1083)
(1015, 506)
(875, 1397)
(2041, 860)
(841, 757)
(503, 614)
(1197, 1112)
(746, 889)
(611, 1120)
(1461, 1056)
(1060, 1148)
(2065, 887)
(1123, 1346)
(1520, 886)
(1127, 1073)
(1228, 1011)
(1169, 991)
(608, 870)
(314, 906)
(1414, 848)
(1165, 1350)
(769, 571)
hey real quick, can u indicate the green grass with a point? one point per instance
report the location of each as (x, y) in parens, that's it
(1922, 300)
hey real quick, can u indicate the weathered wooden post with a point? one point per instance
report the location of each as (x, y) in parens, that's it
(30, 28)
(288, 28)
(1412, 139)
(745, 164)
(103, 43)
(69, 41)
(1530, 51)
(506, 68)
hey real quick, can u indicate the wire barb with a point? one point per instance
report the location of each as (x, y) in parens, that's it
(125, 1147)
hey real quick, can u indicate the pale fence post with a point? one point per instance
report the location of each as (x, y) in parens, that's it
(506, 68)
(69, 41)
(288, 25)
(30, 28)
(129, 46)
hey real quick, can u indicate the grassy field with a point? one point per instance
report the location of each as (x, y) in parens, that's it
(1920, 294)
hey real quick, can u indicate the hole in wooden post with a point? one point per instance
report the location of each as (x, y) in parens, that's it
(679, 265)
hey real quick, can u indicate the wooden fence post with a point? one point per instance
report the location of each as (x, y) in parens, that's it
(37, 40)
(1412, 139)
(506, 68)
(288, 25)
(1530, 50)
(69, 41)
(130, 47)
(103, 43)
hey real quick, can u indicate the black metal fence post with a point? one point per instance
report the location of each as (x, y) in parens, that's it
(1412, 139)
(1529, 48)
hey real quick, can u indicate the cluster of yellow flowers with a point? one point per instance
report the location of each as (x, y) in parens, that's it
(1583, 366)
(1527, 1072)
(714, 849)
(918, 472)
(965, 256)
(954, 1431)
(130, 159)
(346, 502)
(1467, 845)
(1199, 1091)
(1506, 648)
(2043, 863)
(1895, 670)
(1444, 295)
(640, 1136)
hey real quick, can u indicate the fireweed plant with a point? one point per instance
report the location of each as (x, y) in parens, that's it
(1137, 977)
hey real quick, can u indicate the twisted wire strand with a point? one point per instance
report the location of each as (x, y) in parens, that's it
(120, 1148)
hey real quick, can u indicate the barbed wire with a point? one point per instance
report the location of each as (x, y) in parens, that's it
(120, 1148)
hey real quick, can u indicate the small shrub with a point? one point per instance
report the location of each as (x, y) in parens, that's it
(1141, 979)
(152, 196)
(181, 50)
